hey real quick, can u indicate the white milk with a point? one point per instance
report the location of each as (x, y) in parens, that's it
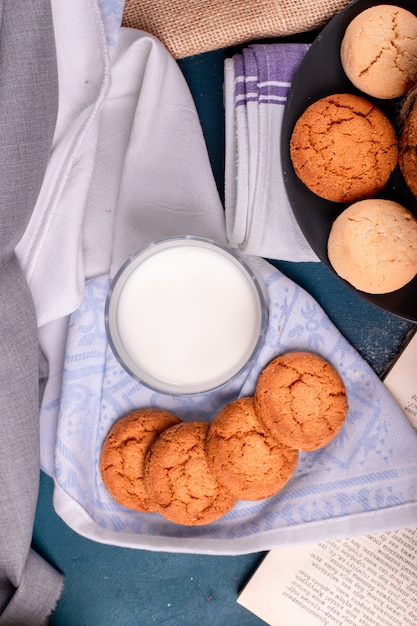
(189, 316)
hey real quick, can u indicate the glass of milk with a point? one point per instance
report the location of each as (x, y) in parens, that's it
(185, 315)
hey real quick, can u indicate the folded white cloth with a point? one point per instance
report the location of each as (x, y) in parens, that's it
(129, 165)
(362, 482)
(128, 154)
(259, 219)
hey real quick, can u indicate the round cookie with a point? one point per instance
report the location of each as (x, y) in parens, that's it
(123, 455)
(373, 245)
(379, 51)
(179, 480)
(243, 456)
(407, 158)
(343, 148)
(301, 400)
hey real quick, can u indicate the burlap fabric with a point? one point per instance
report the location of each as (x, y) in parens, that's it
(188, 27)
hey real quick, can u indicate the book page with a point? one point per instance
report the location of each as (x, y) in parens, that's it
(401, 380)
(365, 581)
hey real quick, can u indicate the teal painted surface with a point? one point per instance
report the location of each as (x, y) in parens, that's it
(111, 586)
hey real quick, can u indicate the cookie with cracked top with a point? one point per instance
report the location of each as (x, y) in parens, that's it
(344, 148)
(373, 245)
(379, 51)
(408, 142)
(244, 457)
(301, 400)
(123, 455)
(178, 477)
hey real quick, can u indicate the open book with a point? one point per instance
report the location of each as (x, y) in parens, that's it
(360, 581)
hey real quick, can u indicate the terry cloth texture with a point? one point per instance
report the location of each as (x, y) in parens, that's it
(188, 27)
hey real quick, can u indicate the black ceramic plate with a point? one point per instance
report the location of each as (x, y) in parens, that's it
(321, 74)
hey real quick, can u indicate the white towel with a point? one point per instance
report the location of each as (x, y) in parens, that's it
(129, 165)
(259, 218)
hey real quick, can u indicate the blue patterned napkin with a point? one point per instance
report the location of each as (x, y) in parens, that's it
(364, 481)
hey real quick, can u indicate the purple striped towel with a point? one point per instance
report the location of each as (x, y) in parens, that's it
(259, 219)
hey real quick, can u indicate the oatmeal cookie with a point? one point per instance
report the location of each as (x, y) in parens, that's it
(373, 245)
(123, 455)
(179, 479)
(344, 148)
(244, 457)
(301, 400)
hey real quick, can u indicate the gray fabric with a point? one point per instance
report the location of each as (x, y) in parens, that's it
(29, 587)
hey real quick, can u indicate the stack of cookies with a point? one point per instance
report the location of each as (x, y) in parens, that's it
(344, 149)
(194, 472)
